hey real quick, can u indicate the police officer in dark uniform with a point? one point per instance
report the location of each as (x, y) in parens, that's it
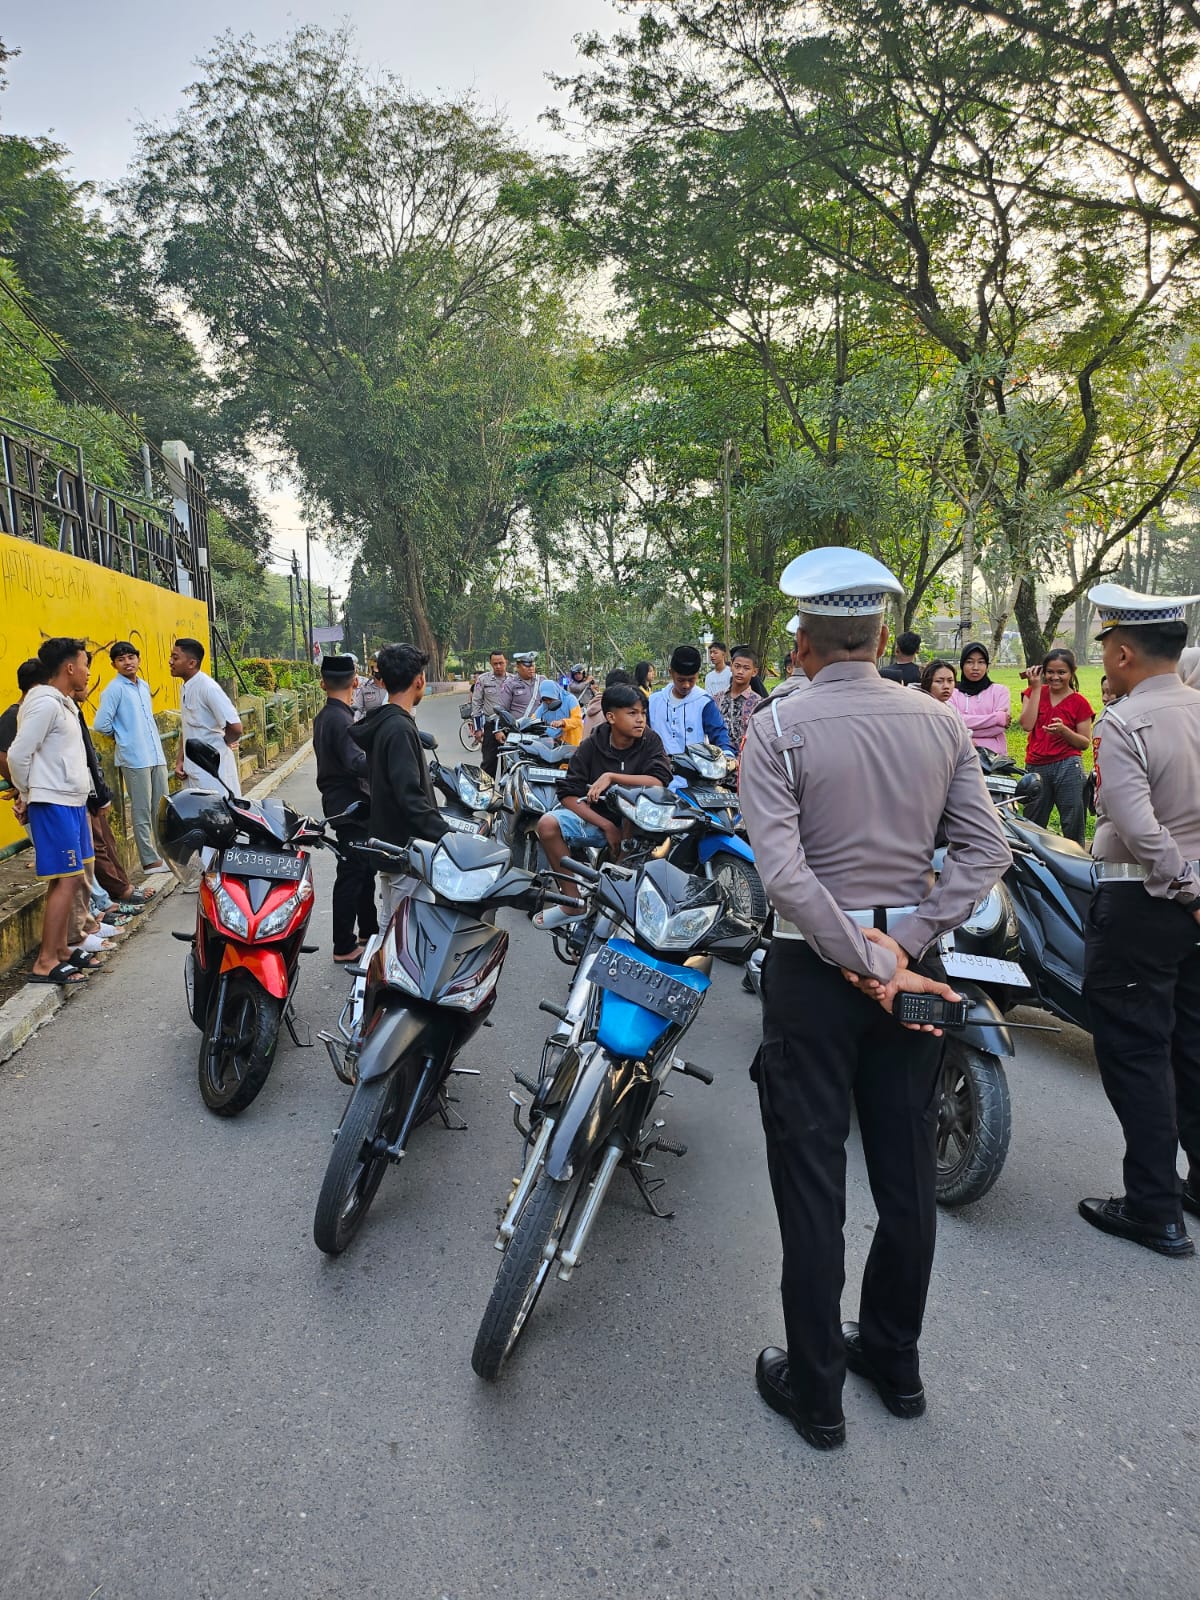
(1142, 962)
(342, 780)
(845, 852)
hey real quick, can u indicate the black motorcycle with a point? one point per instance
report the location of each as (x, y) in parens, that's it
(429, 984)
(651, 935)
(526, 788)
(469, 797)
(1051, 881)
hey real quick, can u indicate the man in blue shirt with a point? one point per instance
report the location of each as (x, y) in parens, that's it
(127, 713)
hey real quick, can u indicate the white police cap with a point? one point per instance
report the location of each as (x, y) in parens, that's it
(1119, 607)
(837, 582)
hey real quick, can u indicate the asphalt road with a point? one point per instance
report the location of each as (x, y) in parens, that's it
(195, 1403)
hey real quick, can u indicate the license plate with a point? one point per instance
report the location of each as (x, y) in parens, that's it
(644, 986)
(985, 969)
(544, 774)
(263, 864)
(460, 824)
(714, 799)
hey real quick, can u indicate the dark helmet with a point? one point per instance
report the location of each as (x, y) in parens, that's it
(1029, 787)
(191, 819)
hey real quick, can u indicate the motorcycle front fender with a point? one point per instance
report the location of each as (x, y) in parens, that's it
(714, 843)
(394, 1032)
(264, 963)
(602, 1084)
(986, 1030)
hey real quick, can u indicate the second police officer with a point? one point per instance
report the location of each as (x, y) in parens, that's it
(847, 789)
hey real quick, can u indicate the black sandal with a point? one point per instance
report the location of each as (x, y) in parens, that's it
(66, 974)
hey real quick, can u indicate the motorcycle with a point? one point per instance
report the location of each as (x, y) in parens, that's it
(974, 1128)
(526, 788)
(253, 906)
(1051, 882)
(652, 932)
(426, 985)
(719, 850)
(469, 796)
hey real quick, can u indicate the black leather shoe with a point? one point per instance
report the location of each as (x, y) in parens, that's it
(824, 1431)
(1191, 1197)
(1111, 1216)
(898, 1403)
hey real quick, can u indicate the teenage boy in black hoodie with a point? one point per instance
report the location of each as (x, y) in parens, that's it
(403, 807)
(622, 750)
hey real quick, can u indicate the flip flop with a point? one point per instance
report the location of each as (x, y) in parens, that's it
(83, 961)
(351, 958)
(65, 975)
(139, 897)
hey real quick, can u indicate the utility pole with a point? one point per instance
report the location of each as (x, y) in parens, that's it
(329, 604)
(292, 611)
(300, 604)
(726, 452)
(308, 555)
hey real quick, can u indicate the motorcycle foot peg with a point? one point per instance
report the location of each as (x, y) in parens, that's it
(669, 1147)
(691, 1070)
(184, 938)
(465, 1072)
(551, 1009)
(309, 949)
(526, 1083)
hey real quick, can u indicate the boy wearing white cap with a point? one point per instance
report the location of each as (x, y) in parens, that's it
(845, 855)
(1142, 963)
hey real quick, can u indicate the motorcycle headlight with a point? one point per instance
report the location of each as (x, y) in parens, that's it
(397, 974)
(652, 816)
(457, 884)
(665, 932)
(472, 797)
(987, 915)
(708, 768)
(233, 918)
(473, 996)
(282, 915)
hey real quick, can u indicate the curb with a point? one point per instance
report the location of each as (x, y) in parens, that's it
(33, 1005)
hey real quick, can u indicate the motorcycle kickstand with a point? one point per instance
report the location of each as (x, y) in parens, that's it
(289, 1023)
(648, 1188)
(450, 1119)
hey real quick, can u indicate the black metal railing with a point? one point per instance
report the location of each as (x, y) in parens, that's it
(47, 498)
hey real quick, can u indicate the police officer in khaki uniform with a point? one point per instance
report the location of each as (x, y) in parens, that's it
(847, 788)
(1142, 963)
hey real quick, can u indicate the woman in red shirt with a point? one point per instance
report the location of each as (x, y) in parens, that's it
(1058, 721)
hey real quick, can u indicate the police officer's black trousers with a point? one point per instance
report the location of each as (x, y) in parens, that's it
(1142, 985)
(825, 1043)
(490, 758)
(353, 893)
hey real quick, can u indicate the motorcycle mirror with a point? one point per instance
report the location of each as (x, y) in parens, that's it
(428, 740)
(204, 756)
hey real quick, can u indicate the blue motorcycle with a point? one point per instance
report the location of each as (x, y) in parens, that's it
(651, 933)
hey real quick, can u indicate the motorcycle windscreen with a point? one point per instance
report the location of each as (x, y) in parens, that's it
(627, 1027)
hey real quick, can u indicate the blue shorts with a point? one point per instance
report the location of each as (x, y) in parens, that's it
(62, 839)
(576, 829)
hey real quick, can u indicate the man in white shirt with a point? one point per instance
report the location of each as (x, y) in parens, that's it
(208, 714)
(50, 774)
(720, 679)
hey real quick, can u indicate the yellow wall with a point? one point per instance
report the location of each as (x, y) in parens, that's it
(44, 594)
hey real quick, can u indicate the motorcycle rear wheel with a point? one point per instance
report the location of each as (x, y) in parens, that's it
(974, 1124)
(355, 1171)
(524, 1270)
(234, 1067)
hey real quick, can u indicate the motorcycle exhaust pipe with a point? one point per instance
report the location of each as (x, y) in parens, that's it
(508, 1222)
(591, 1206)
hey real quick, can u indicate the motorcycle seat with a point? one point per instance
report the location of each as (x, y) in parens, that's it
(1071, 865)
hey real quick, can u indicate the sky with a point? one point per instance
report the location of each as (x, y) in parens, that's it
(89, 73)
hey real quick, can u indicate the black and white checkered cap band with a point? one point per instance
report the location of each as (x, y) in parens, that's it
(1128, 617)
(841, 605)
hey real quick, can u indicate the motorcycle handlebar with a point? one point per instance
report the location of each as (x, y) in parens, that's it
(581, 869)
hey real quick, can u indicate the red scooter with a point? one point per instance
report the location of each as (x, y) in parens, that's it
(254, 902)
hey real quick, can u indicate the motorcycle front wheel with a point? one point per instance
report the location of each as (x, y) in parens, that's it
(528, 1262)
(741, 882)
(356, 1167)
(235, 1062)
(974, 1124)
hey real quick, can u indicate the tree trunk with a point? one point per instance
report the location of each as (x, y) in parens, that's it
(1033, 640)
(413, 583)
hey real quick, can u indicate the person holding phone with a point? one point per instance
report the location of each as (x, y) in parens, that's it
(1058, 720)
